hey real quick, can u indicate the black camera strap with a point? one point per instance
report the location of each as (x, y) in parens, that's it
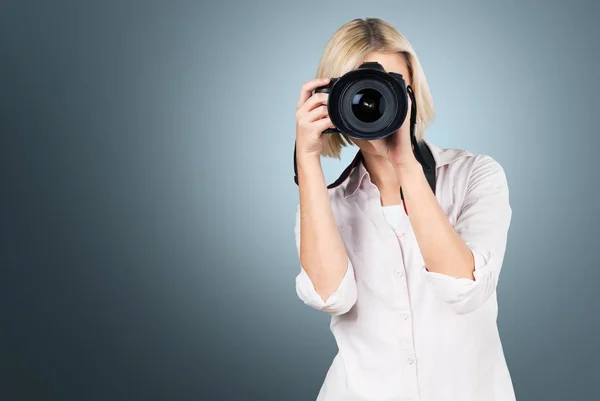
(422, 153)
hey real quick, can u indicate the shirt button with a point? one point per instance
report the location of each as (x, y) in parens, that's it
(399, 273)
(404, 315)
(410, 360)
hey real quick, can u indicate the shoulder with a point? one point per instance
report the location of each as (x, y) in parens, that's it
(467, 165)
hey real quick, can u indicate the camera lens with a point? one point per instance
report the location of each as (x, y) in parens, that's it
(368, 105)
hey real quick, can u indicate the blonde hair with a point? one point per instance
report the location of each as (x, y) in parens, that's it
(346, 49)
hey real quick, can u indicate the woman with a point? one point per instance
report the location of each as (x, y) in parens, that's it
(410, 283)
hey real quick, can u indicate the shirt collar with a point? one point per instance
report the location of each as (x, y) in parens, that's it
(358, 172)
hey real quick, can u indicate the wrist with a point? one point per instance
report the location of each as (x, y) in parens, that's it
(310, 158)
(310, 171)
(409, 169)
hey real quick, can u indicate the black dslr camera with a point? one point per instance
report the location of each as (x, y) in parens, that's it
(368, 103)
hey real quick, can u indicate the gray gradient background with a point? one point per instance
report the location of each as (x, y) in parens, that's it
(147, 201)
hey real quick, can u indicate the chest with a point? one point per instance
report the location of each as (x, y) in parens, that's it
(380, 241)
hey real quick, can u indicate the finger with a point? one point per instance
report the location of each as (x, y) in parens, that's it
(408, 113)
(393, 139)
(404, 137)
(407, 126)
(317, 113)
(324, 123)
(400, 139)
(315, 100)
(380, 146)
(308, 88)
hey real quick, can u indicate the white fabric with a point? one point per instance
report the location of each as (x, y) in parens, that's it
(393, 216)
(404, 333)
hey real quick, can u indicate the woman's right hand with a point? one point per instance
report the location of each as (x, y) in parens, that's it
(321, 249)
(312, 118)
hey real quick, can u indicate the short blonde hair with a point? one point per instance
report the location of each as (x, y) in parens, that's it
(346, 49)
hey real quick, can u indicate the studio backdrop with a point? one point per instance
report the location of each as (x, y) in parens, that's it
(147, 200)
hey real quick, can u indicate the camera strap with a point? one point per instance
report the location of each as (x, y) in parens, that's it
(422, 153)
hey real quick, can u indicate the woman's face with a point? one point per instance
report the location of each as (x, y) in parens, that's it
(391, 62)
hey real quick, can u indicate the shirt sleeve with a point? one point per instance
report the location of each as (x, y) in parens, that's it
(483, 224)
(338, 303)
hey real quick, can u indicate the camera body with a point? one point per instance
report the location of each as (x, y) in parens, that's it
(367, 103)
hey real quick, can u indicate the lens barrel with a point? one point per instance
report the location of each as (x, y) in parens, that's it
(368, 103)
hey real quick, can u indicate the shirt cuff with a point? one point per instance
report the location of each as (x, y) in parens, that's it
(465, 295)
(340, 302)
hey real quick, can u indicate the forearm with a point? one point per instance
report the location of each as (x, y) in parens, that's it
(322, 251)
(442, 248)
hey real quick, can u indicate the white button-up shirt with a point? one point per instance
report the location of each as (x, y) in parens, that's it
(403, 332)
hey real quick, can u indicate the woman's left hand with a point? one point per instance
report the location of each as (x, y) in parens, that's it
(397, 147)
